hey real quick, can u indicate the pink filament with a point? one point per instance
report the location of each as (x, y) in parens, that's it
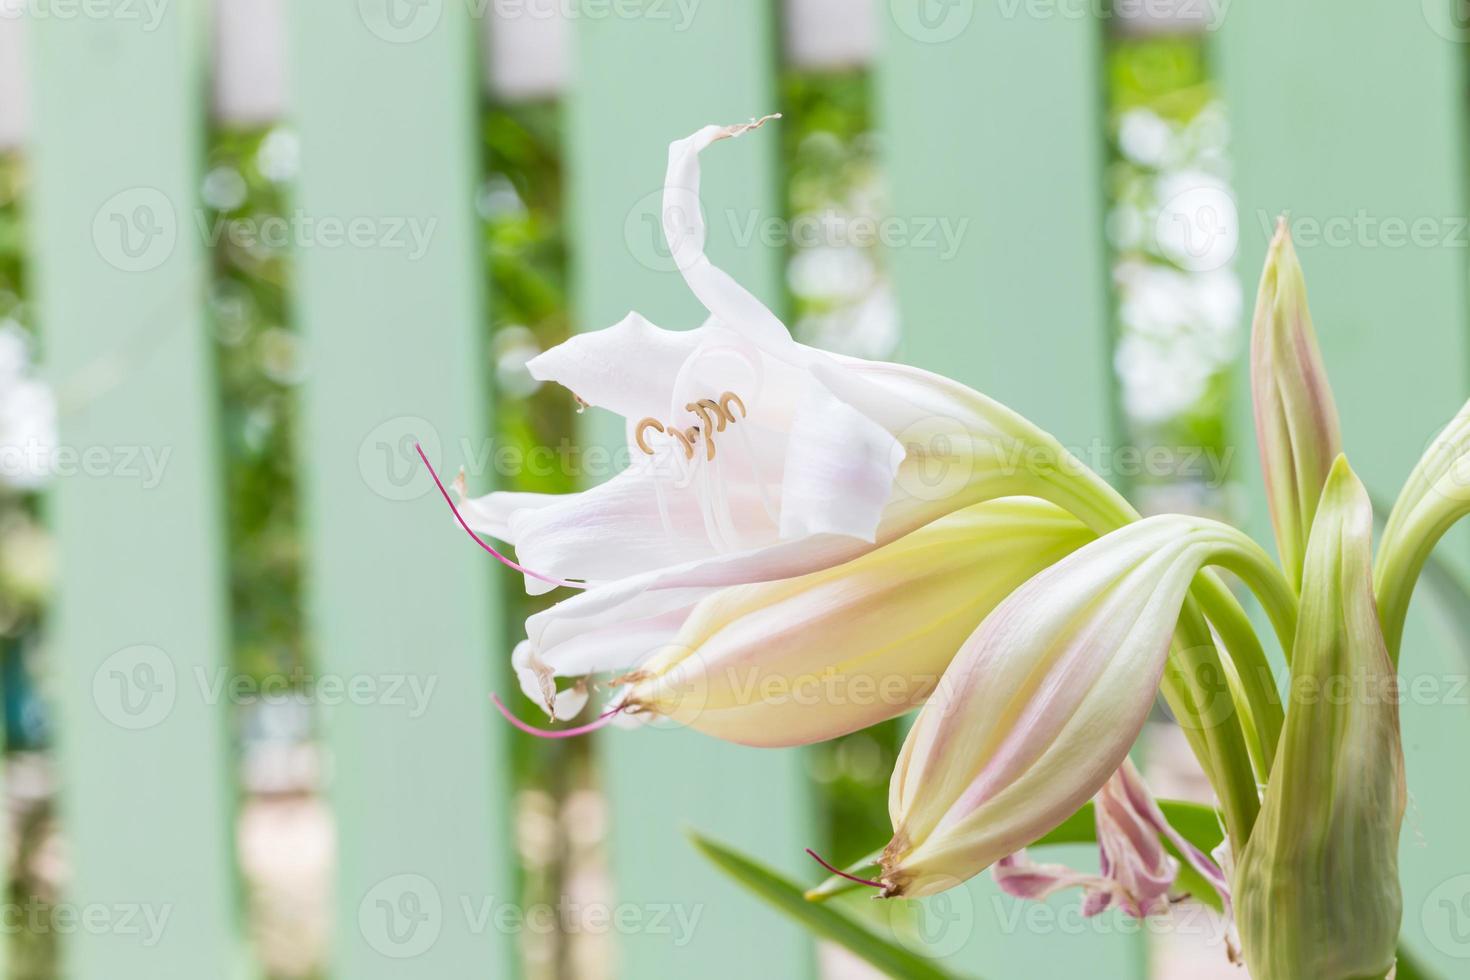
(603, 720)
(558, 582)
(843, 874)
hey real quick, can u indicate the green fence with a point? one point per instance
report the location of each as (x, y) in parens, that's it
(992, 116)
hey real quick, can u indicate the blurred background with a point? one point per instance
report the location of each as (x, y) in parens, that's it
(251, 251)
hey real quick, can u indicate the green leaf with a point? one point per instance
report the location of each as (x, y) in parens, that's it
(1199, 824)
(824, 921)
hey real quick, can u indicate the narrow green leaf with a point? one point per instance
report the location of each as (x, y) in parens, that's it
(821, 920)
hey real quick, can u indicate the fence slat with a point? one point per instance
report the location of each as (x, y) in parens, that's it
(14, 99)
(393, 317)
(993, 138)
(1358, 132)
(640, 83)
(137, 634)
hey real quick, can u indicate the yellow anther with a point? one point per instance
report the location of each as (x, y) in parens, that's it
(698, 408)
(714, 416)
(688, 443)
(643, 427)
(710, 405)
(725, 401)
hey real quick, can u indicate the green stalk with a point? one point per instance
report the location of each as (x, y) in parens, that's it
(1401, 559)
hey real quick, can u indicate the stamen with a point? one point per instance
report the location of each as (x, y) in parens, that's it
(715, 415)
(550, 580)
(603, 720)
(642, 431)
(843, 874)
(725, 401)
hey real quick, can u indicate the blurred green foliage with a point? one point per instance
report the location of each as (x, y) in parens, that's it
(1166, 128)
(259, 366)
(20, 529)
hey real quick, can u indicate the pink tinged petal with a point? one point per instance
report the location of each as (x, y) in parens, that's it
(1019, 876)
(1131, 852)
(1132, 794)
(1136, 872)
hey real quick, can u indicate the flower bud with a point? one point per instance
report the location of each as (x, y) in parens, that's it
(1317, 885)
(1296, 418)
(806, 659)
(1044, 701)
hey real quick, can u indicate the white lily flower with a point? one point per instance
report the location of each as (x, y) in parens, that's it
(755, 458)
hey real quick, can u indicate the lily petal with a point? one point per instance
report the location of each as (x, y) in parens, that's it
(1136, 871)
(683, 223)
(628, 368)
